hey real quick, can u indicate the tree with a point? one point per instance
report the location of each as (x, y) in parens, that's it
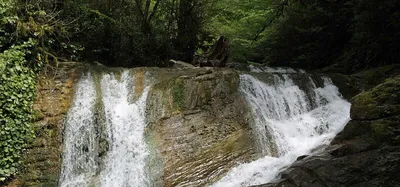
(189, 23)
(146, 14)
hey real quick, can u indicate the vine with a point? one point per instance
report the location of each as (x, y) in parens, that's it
(19, 63)
(17, 92)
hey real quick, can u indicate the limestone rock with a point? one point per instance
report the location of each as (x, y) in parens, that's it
(198, 123)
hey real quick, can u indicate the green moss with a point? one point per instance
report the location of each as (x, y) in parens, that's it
(379, 129)
(388, 92)
(379, 102)
(49, 184)
(36, 115)
(364, 98)
(375, 76)
(52, 178)
(178, 93)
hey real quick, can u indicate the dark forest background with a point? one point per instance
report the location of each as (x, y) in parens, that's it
(311, 34)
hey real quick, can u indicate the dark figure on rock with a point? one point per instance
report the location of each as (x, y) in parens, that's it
(217, 57)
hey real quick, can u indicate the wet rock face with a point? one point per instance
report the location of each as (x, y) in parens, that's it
(348, 85)
(366, 153)
(199, 125)
(42, 161)
(380, 102)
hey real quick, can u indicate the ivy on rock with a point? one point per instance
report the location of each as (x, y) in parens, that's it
(17, 92)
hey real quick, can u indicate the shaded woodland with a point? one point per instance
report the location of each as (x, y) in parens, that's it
(308, 34)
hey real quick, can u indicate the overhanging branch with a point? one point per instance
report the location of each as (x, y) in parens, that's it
(278, 12)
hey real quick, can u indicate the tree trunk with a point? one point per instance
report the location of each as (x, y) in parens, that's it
(189, 24)
(218, 56)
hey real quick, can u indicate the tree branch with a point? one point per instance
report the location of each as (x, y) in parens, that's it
(153, 12)
(278, 13)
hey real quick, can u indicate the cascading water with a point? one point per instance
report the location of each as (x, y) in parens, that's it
(124, 163)
(291, 117)
(288, 122)
(80, 154)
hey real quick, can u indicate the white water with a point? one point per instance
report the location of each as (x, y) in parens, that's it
(288, 124)
(124, 163)
(79, 158)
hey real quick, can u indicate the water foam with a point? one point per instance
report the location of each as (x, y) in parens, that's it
(79, 162)
(287, 124)
(124, 163)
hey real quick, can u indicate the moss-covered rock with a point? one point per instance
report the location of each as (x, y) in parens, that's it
(380, 102)
(375, 76)
(375, 114)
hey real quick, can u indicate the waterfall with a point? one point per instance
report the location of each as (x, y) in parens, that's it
(124, 119)
(125, 161)
(104, 143)
(80, 153)
(288, 122)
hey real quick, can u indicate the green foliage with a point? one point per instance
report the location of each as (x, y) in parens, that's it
(133, 33)
(37, 20)
(7, 18)
(17, 90)
(313, 34)
(349, 34)
(20, 61)
(375, 34)
(178, 93)
(308, 35)
(240, 21)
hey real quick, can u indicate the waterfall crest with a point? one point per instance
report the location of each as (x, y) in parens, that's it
(123, 163)
(288, 122)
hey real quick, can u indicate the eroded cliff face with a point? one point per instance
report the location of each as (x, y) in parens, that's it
(199, 123)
